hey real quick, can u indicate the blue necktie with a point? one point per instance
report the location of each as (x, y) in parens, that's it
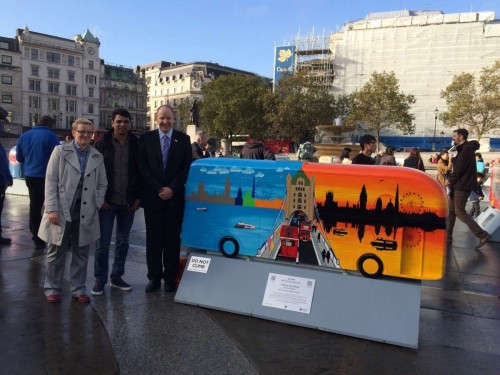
(165, 145)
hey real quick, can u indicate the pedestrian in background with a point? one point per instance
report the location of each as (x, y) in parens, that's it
(34, 149)
(75, 186)
(5, 182)
(444, 167)
(476, 196)
(164, 158)
(199, 146)
(414, 160)
(461, 181)
(378, 157)
(368, 145)
(345, 156)
(256, 150)
(388, 157)
(119, 147)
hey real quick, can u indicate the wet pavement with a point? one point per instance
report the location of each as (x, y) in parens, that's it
(138, 333)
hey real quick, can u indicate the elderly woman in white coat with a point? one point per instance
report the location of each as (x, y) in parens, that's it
(75, 185)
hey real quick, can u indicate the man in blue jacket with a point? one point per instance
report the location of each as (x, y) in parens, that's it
(5, 182)
(34, 149)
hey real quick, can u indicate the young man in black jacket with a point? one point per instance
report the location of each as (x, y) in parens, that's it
(119, 148)
(461, 181)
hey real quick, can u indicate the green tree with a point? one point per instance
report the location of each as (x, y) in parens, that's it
(380, 105)
(297, 105)
(474, 103)
(232, 105)
(184, 111)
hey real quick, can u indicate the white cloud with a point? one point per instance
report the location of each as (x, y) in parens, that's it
(248, 171)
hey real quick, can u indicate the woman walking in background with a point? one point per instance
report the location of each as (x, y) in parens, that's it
(414, 160)
(444, 167)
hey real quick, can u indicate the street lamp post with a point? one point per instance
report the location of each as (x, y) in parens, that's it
(436, 111)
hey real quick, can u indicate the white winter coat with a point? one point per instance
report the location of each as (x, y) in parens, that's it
(61, 181)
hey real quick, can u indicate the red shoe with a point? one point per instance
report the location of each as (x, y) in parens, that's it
(82, 298)
(53, 298)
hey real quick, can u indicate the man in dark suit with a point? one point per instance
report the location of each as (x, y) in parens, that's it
(164, 158)
(199, 146)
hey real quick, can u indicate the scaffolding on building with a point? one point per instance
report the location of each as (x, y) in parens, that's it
(314, 57)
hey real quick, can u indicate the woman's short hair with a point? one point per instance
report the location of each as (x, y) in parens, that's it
(81, 120)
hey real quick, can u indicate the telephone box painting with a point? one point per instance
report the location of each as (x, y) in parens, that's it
(376, 220)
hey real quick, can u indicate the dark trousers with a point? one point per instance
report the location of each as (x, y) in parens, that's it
(456, 206)
(36, 189)
(163, 242)
(2, 198)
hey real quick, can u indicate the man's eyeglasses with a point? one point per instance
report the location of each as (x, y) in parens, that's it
(84, 132)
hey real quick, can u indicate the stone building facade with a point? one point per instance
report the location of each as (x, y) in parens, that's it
(174, 83)
(60, 77)
(121, 87)
(10, 81)
(425, 49)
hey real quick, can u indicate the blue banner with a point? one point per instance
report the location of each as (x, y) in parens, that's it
(284, 61)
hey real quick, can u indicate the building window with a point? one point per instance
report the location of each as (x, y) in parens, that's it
(7, 97)
(71, 60)
(35, 102)
(71, 76)
(53, 73)
(91, 64)
(34, 85)
(54, 87)
(53, 104)
(69, 121)
(91, 108)
(70, 105)
(54, 57)
(6, 80)
(90, 79)
(34, 70)
(4, 45)
(34, 118)
(34, 54)
(71, 90)
(7, 60)
(91, 92)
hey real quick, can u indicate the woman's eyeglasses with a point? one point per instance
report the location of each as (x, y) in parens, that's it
(84, 132)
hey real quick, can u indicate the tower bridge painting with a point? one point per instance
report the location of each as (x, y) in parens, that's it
(331, 216)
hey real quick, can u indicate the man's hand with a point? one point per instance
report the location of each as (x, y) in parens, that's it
(165, 193)
(135, 206)
(54, 217)
(105, 206)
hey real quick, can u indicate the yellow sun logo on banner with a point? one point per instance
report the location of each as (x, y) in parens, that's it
(285, 54)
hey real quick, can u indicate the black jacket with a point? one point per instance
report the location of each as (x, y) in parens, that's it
(154, 176)
(464, 174)
(256, 150)
(198, 152)
(105, 147)
(414, 162)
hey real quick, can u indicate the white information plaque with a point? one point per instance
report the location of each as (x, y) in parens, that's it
(199, 264)
(289, 293)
